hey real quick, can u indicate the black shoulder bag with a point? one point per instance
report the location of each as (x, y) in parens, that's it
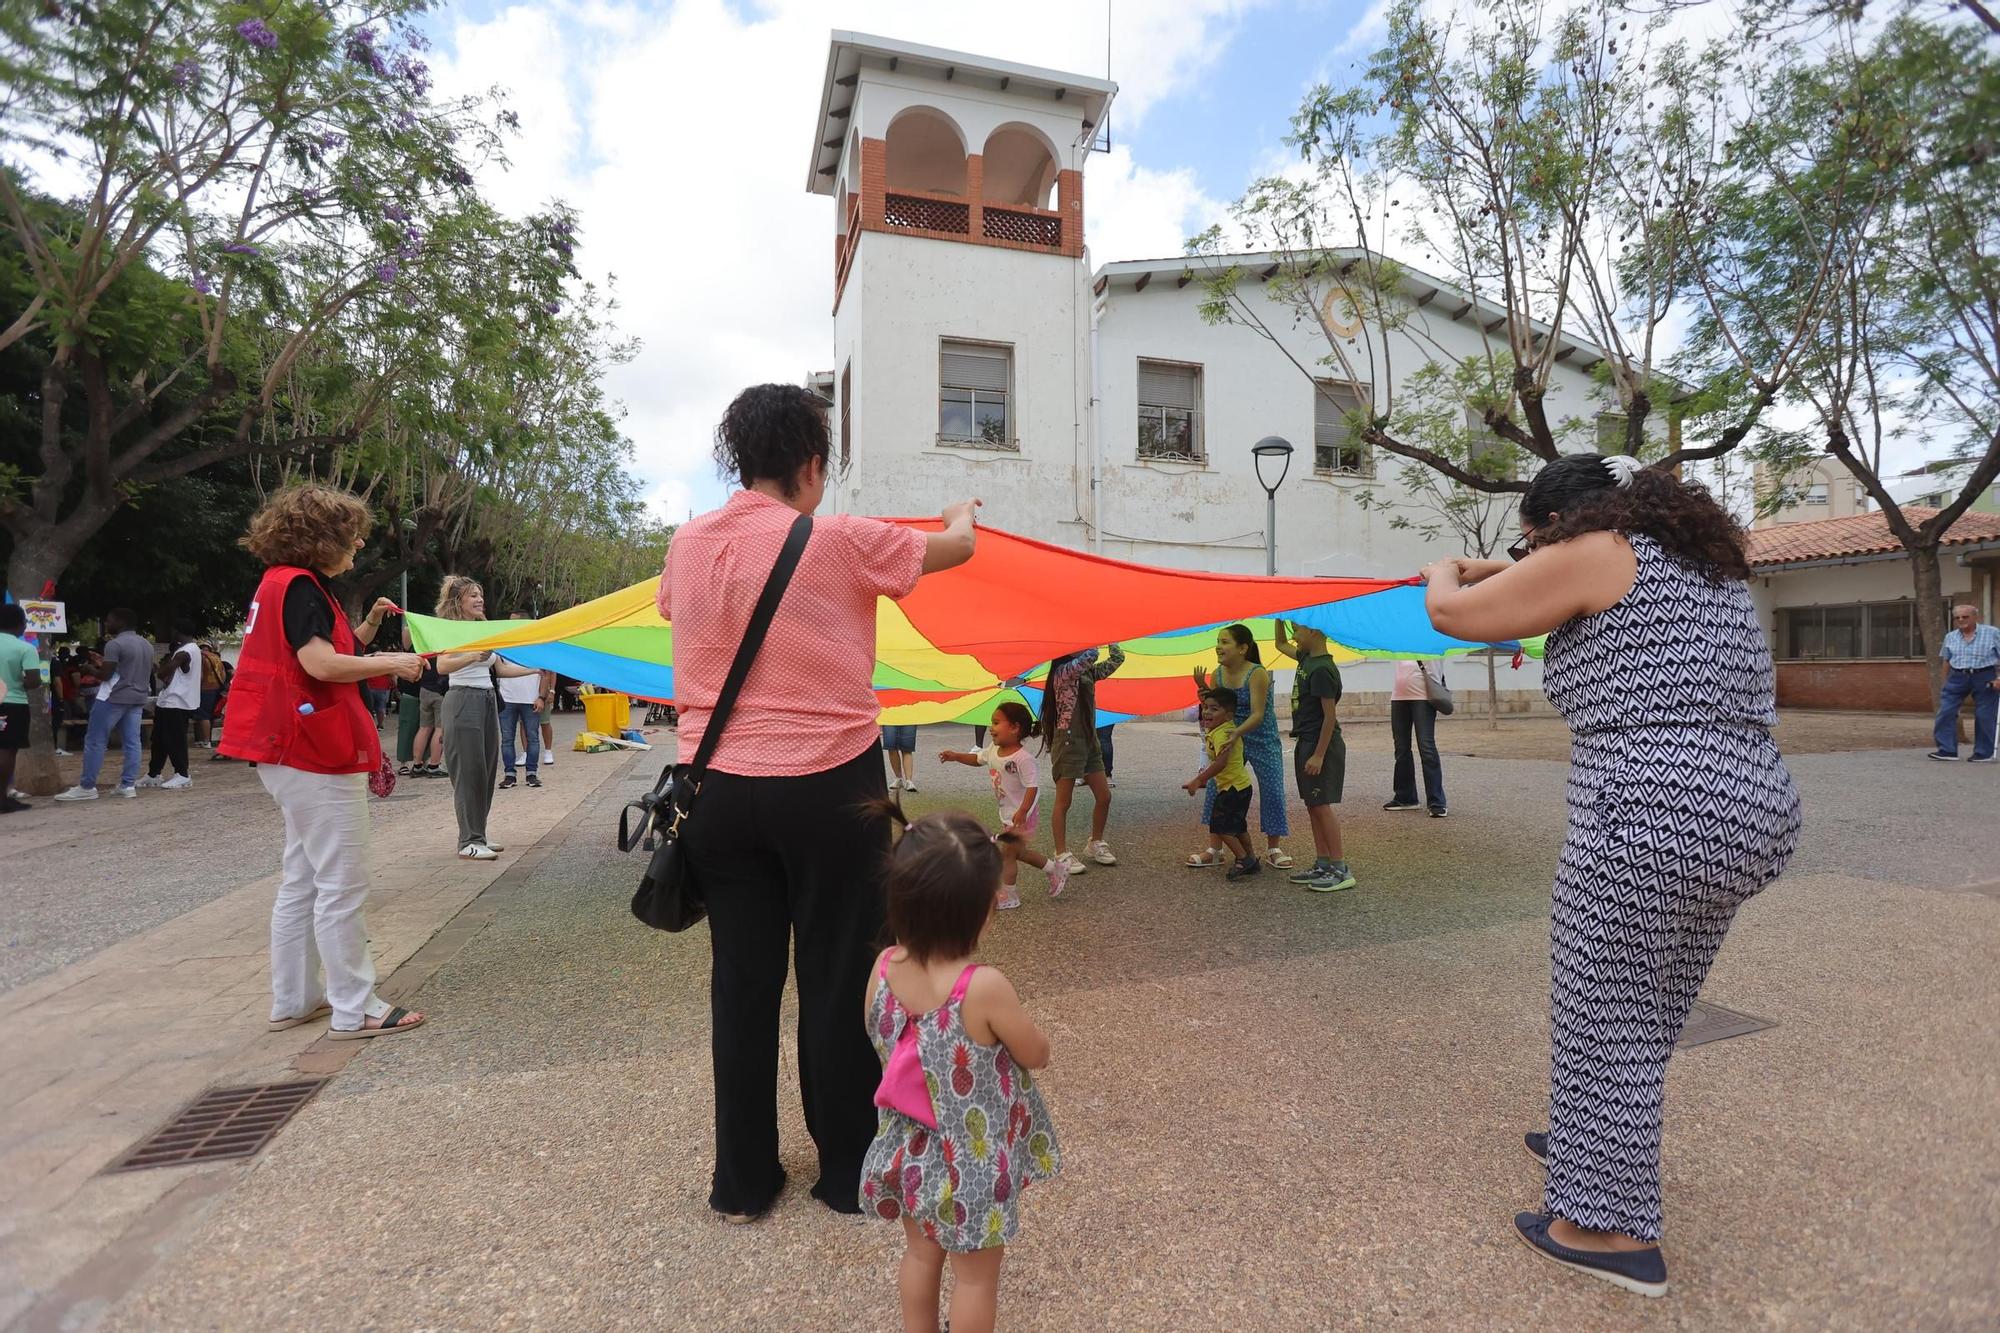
(668, 898)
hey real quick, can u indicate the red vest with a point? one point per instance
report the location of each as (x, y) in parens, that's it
(264, 723)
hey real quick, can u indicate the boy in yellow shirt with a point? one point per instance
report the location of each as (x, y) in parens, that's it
(1229, 820)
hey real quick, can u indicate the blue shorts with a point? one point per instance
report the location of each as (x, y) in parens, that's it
(900, 738)
(206, 713)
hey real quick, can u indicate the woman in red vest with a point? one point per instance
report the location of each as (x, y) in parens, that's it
(297, 711)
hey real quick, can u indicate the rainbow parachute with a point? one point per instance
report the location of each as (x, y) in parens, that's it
(958, 644)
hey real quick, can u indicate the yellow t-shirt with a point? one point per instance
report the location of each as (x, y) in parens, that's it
(1234, 776)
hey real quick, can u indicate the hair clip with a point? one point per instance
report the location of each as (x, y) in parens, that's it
(1622, 467)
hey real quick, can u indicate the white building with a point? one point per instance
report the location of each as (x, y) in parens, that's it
(976, 352)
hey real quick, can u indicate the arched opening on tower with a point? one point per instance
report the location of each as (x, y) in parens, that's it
(1018, 167)
(926, 153)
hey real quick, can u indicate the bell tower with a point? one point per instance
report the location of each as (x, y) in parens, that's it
(961, 302)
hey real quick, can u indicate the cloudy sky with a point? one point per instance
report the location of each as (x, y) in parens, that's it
(681, 132)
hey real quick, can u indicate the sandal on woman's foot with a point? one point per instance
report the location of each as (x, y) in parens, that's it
(1208, 860)
(398, 1019)
(280, 1024)
(1279, 858)
(1641, 1271)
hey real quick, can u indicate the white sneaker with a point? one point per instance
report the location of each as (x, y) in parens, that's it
(128, 792)
(61, 753)
(149, 781)
(909, 784)
(477, 851)
(1069, 862)
(178, 782)
(895, 784)
(78, 794)
(1101, 853)
(1058, 873)
(548, 759)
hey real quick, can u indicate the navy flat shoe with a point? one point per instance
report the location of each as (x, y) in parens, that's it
(1640, 1271)
(1538, 1147)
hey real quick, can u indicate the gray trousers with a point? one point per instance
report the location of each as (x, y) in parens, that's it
(471, 756)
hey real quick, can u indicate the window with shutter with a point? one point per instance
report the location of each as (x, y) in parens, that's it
(1170, 412)
(1489, 455)
(975, 386)
(1610, 432)
(1336, 453)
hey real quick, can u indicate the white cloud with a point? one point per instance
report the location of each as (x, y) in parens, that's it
(680, 136)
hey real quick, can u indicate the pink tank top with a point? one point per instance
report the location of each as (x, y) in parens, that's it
(903, 1087)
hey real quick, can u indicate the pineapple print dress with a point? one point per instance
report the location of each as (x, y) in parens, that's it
(960, 1182)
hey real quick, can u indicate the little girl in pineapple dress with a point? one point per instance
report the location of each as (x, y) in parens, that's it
(962, 1129)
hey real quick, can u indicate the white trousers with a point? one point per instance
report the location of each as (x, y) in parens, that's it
(316, 921)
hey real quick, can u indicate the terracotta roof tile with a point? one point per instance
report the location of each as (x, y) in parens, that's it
(1863, 534)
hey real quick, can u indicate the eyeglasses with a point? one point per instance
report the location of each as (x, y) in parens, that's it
(1519, 549)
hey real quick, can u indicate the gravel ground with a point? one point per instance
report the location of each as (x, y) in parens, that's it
(1280, 1110)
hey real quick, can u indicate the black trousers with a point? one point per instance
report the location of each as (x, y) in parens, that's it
(170, 739)
(1405, 716)
(790, 863)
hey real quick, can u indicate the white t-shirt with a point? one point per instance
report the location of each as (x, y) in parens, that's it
(183, 688)
(520, 689)
(478, 676)
(1012, 776)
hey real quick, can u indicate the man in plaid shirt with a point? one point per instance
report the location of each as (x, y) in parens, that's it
(1971, 652)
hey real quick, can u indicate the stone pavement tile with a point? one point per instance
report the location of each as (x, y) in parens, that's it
(1309, 1141)
(119, 1040)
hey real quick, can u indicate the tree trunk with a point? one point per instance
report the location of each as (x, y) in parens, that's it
(1492, 696)
(1930, 615)
(38, 559)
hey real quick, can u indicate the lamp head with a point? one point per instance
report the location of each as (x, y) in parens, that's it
(1279, 451)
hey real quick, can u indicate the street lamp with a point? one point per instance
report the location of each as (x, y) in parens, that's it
(1271, 451)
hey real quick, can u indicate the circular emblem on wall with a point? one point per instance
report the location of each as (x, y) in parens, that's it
(1339, 313)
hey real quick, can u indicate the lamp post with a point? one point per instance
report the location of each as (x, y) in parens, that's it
(1271, 451)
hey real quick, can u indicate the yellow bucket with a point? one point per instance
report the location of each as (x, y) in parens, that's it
(610, 714)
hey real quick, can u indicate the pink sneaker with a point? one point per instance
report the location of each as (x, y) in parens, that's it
(1058, 873)
(1010, 897)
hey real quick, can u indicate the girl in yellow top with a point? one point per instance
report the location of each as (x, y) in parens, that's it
(1229, 820)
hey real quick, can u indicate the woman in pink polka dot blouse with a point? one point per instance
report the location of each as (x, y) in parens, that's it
(776, 840)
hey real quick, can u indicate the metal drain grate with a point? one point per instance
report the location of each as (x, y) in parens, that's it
(220, 1125)
(1711, 1022)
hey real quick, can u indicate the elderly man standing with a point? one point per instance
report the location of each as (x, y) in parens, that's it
(1972, 667)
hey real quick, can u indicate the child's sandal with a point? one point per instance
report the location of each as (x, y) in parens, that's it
(1207, 860)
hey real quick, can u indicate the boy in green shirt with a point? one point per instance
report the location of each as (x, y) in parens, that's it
(1319, 756)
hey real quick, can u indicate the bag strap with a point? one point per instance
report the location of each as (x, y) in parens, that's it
(753, 639)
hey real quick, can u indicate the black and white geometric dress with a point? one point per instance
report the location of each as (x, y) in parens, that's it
(1680, 808)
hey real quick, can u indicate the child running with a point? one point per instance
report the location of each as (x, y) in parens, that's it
(1319, 755)
(1017, 791)
(1229, 818)
(961, 1129)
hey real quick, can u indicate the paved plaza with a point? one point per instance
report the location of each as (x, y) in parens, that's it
(1279, 1110)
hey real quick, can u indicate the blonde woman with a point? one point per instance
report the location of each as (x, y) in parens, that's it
(296, 711)
(471, 720)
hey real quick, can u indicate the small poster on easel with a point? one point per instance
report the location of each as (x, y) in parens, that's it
(46, 617)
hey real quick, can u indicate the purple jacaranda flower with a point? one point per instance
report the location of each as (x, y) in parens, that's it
(459, 176)
(406, 119)
(385, 271)
(553, 307)
(396, 213)
(203, 283)
(511, 119)
(257, 34)
(413, 242)
(330, 141)
(415, 73)
(186, 72)
(361, 50)
(240, 248)
(415, 40)
(310, 195)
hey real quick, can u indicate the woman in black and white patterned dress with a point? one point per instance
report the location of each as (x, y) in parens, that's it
(1680, 809)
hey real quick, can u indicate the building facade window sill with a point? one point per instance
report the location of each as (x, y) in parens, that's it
(1340, 478)
(1171, 466)
(1011, 447)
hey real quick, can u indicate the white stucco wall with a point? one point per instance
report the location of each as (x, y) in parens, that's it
(1843, 585)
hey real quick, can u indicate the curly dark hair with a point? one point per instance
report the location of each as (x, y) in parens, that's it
(1583, 493)
(771, 431)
